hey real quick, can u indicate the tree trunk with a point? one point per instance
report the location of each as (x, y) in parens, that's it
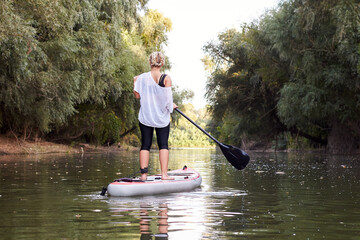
(341, 139)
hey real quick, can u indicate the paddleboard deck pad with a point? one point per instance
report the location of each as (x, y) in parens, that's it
(185, 179)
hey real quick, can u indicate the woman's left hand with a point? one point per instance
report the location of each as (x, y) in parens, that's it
(175, 106)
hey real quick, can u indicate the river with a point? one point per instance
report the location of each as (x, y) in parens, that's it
(278, 196)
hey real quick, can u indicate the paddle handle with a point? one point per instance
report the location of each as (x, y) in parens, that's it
(214, 139)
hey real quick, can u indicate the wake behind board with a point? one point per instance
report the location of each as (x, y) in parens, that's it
(186, 179)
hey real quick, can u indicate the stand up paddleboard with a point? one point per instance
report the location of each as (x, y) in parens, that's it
(186, 179)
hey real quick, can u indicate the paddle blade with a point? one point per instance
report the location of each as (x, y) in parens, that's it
(237, 157)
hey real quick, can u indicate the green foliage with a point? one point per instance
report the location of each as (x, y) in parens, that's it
(185, 134)
(295, 142)
(56, 54)
(179, 97)
(322, 50)
(131, 140)
(307, 98)
(130, 60)
(106, 128)
(155, 27)
(295, 70)
(68, 66)
(243, 87)
(109, 128)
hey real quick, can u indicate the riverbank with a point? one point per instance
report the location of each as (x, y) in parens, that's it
(10, 145)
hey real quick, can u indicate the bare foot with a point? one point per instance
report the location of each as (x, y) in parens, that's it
(143, 177)
(166, 177)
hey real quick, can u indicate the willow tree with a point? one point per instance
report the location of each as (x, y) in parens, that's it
(154, 29)
(320, 40)
(297, 70)
(117, 116)
(56, 55)
(243, 87)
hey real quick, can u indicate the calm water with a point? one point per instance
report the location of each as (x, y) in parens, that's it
(278, 196)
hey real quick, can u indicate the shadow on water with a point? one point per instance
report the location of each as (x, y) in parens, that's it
(278, 196)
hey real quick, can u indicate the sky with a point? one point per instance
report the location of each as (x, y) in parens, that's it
(195, 23)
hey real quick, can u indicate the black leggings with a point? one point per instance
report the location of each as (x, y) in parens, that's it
(147, 133)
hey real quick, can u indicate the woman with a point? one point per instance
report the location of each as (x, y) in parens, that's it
(156, 103)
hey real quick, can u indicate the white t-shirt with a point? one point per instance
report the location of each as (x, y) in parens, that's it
(156, 102)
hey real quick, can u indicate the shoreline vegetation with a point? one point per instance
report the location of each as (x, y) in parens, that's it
(182, 136)
(13, 146)
(288, 81)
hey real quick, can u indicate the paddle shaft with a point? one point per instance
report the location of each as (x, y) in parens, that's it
(237, 157)
(214, 139)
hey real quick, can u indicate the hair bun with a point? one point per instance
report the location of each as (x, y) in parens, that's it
(157, 59)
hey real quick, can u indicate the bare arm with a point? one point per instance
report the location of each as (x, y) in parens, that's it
(168, 83)
(137, 95)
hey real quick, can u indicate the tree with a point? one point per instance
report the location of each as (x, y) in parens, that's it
(66, 67)
(184, 134)
(57, 54)
(321, 45)
(243, 87)
(296, 70)
(155, 27)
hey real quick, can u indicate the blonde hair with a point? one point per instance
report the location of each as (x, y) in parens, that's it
(156, 59)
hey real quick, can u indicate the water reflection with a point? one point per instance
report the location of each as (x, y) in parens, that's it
(157, 216)
(278, 196)
(147, 214)
(191, 215)
(145, 222)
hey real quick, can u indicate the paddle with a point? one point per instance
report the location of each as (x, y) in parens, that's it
(237, 157)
